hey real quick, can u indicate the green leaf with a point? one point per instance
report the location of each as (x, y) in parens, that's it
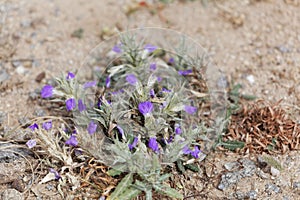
(168, 191)
(113, 172)
(180, 166)
(122, 187)
(233, 145)
(192, 167)
(129, 194)
(164, 177)
(148, 194)
(248, 97)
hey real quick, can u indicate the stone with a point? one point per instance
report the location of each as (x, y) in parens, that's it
(250, 79)
(231, 166)
(275, 172)
(252, 194)
(11, 194)
(269, 188)
(3, 76)
(21, 70)
(296, 185)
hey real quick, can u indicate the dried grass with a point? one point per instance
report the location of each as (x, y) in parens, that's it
(264, 127)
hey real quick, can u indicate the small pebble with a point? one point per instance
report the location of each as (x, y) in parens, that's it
(275, 172)
(252, 194)
(16, 64)
(296, 185)
(231, 166)
(283, 49)
(250, 79)
(223, 82)
(272, 188)
(21, 70)
(40, 112)
(3, 76)
(239, 195)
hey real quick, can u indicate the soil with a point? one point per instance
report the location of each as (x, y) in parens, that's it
(254, 43)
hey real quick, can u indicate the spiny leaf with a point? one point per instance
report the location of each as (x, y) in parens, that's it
(122, 187)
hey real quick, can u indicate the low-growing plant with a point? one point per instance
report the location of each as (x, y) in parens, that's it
(146, 120)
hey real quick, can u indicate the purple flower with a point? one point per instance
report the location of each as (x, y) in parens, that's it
(152, 144)
(70, 104)
(159, 79)
(72, 141)
(177, 129)
(133, 144)
(89, 84)
(170, 139)
(121, 131)
(165, 90)
(153, 66)
(47, 125)
(185, 72)
(92, 128)
(70, 76)
(117, 48)
(57, 176)
(186, 150)
(33, 126)
(150, 48)
(190, 109)
(145, 107)
(31, 143)
(81, 106)
(171, 60)
(47, 91)
(131, 79)
(152, 93)
(196, 152)
(107, 82)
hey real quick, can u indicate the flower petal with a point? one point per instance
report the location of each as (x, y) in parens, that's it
(47, 91)
(131, 79)
(70, 76)
(31, 143)
(72, 141)
(70, 104)
(47, 125)
(145, 107)
(190, 109)
(92, 127)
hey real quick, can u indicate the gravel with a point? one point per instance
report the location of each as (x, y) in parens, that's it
(270, 188)
(248, 168)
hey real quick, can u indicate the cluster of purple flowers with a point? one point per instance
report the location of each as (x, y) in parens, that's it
(145, 108)
(46, 126)
(48, 91)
